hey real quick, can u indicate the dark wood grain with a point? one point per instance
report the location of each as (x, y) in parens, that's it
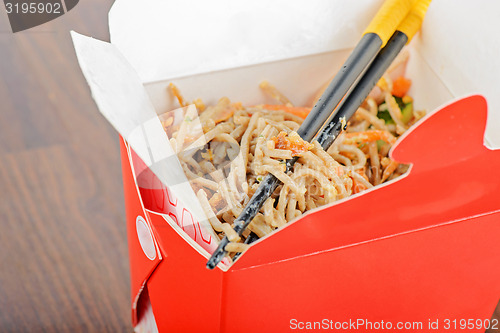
(495, 318)
(63, 246)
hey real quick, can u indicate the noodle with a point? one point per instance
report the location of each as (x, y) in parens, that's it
(240, 146)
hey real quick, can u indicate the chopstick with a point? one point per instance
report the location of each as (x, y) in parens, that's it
(364, 55)
(375, 36)
(402, 36)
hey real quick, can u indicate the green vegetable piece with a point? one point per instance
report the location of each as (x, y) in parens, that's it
(407, 113)
(386, 116)
(400, 102)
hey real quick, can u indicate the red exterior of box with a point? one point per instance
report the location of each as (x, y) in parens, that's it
(424, 247)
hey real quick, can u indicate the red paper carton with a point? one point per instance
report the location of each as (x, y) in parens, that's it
(419, 253)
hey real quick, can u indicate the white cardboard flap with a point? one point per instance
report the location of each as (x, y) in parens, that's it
(122, 99)
(460, 42)
(170, 39)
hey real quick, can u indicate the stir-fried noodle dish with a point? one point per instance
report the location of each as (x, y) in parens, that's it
(227, 149)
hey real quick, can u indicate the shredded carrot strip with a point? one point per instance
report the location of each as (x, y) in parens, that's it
(299, 111)
(369, 136)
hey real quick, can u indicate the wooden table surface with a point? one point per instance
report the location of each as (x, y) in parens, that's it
(63, 247)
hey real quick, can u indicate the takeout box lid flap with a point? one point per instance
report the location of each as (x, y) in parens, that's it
(167, 39)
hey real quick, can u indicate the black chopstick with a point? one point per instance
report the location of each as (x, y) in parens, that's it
(369, 79)
(361, 57)
(362, 89)
(356, 97)
(249, 240)
(325, 138)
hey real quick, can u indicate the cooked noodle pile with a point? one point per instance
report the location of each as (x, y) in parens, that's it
(228, 149)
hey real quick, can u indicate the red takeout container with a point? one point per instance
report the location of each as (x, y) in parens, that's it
(421, 249)
(420, 253)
